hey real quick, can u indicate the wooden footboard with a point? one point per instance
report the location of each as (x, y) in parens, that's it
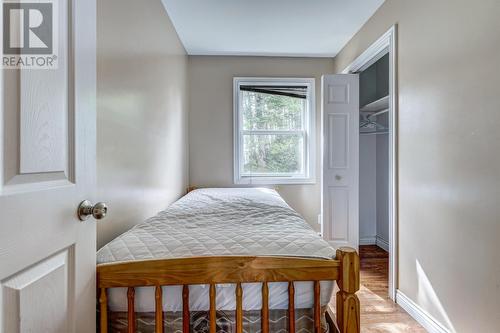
(233, 269)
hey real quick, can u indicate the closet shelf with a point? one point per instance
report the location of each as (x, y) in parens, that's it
(378, 105)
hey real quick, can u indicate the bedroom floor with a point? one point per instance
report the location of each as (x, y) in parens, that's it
(378, 312)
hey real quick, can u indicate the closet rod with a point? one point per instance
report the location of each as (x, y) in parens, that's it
(378, 113)
(373, 133)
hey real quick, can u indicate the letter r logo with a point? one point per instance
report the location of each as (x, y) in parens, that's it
(27, 28)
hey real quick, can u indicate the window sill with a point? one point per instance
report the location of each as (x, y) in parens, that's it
(274, 181)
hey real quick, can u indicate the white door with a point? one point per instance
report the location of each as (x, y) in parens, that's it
(340, 123)
(47, 166)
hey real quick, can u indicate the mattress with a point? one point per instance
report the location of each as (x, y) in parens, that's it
(214, 222)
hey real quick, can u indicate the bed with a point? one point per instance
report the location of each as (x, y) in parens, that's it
(225, 260)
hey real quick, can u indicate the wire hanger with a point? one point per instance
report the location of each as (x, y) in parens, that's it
(368, 122)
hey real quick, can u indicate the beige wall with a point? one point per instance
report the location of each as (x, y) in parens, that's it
(211, 120)
(141, 113)
(449, 115)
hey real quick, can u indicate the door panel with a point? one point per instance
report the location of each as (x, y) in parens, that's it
(340, 114)
(47, 167)
(44, 112)
(39, 296)
(338, 145)
(339, 212)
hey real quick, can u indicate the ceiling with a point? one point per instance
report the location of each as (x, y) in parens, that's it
(311, 28)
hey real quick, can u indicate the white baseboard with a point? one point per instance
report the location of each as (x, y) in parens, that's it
(375, 240)
(382, 243)
(419, 314)
(370, 240)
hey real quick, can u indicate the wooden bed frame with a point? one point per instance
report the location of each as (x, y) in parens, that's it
(236, 269)
(344, 269)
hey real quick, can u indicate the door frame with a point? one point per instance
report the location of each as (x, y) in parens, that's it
(386, 44)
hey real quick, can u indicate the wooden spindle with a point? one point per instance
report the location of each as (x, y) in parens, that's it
(185, 309)
(348, 315)
(213, 309)
(103, 307)
(239, 308)
(131, 310)
(158, 310)
(265, 308)
(317, 307)
(291, 307)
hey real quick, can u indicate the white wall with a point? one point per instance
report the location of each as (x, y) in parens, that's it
(142, 143)
(448, 110)
(211, 120)
(367, 189)
(382, 180)
(374, 189)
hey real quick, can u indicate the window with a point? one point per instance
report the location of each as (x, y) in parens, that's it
(274, 123)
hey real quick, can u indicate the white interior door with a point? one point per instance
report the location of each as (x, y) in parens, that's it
(340, 123)
(47, 166)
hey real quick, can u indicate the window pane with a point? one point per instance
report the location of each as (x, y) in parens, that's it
(273, 153)
(262, 111)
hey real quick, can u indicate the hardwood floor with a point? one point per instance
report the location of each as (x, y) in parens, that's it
(378, 312)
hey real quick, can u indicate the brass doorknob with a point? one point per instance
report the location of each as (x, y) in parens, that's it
(98, 211)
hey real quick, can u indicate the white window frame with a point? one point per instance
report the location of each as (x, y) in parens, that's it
(308, 177)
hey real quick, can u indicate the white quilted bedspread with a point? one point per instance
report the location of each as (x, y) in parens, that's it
(208, 222)
(218, 221)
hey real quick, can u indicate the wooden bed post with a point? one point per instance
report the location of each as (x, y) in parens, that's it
(347, 301)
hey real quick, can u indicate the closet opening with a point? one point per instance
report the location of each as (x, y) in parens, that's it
(374, 156)
(374, 167)
(377, 176)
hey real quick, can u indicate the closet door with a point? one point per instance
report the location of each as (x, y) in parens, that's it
(340, 126)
